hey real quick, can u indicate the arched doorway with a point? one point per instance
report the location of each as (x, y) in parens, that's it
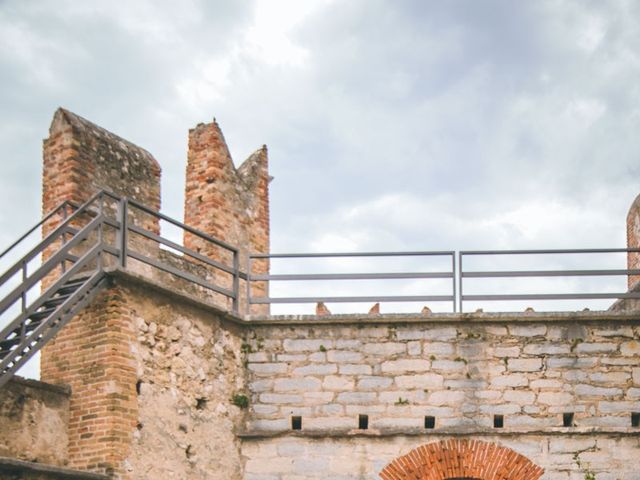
(462, 460)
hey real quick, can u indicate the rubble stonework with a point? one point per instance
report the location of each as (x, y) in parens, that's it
(166, 382)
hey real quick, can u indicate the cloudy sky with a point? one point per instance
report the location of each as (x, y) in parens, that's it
(404, 125)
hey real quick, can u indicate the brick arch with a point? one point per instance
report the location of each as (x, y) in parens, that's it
(462, 459)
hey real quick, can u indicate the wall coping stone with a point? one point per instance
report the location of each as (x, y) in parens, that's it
(478, 318)
(420, 432)
(19, 466)
(38, 385)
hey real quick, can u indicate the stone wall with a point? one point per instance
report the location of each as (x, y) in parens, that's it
(417, 379)
(563, 457)
(33, 421)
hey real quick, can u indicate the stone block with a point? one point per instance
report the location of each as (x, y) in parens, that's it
(402, 366)
(524, 364)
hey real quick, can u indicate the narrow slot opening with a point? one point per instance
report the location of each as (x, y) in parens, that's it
(635, 419)
(363, 422)
(567, 419)
(429, 422)
(296, 423)
(138, 386)
(498, 421)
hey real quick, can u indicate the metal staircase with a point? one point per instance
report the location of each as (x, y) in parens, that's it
(62, 273)
(62, 284)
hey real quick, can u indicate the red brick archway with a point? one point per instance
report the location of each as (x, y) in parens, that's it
(462, 459)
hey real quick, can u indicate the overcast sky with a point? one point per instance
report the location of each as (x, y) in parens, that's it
(397, 125)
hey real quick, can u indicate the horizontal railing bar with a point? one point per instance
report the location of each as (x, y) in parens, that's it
(400, 298)
(52, 289)
(552, 251)
(37, 225)
(189, 229)
(553, 296)
(350, 254)
(549, 273)
(180, 248)
(51, 263)
(352, 276)
(179, 273)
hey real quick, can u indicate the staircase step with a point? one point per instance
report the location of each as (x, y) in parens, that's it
(71, 286)
(55, 301)
(40, 314)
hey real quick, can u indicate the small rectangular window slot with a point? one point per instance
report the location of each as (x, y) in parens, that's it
(363, 422)
(498, 421)
(429, 422)
(296, 423)
(635, 419)
(567, 419)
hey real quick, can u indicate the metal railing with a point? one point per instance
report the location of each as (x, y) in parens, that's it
(486, 274)
(415, 275)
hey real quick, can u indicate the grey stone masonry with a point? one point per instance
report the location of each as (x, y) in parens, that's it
(463, 373)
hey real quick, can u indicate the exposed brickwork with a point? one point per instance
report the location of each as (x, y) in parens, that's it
(633, 240)
(227, 203)
(93, 352)
(452, 459)
(94, 355)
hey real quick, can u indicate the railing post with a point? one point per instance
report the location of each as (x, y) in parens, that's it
(453, 271)
(123, 234)
(64, 236)
(236, 282)
(460, 282)
(248, 308)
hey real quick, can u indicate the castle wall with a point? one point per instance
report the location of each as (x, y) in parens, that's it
(529, 368)
(33, 421)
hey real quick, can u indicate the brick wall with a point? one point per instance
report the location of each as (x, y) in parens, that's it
(633, 240)
(227, 203)
(93, 353)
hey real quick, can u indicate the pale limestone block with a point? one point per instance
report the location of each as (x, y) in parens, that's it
(512, 380)
(348, 344)
(335, 382)
(268, 368)
(601, 347)
(360, 398)
(446, 397)
(547, 349)
(318, 357)
(524, 364)
(521, 397)
(527, 330)
(384, 349)
(316, 369)
(270, 425)
(546, 383)
(555, 398)
(258, 386)
(414, 348)
(501, 409)
(618, 406)
(502, 352)
(466, 383)
(438, 349)
(288, 357)
(631, 348)
(354, 369)
(280, 398)
(409, 365)
(374, 383)
(306, 345)
(426, 380)
(591, 391)
(305, 384)
(344, 356)
(318, 398)
(448, 365)
(258, 357)
(610, 378)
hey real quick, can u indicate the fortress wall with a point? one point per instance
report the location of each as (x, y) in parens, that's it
(565, 457)
(33, 421)
(529, 368)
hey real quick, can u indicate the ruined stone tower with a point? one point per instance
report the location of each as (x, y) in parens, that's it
(167, 374)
